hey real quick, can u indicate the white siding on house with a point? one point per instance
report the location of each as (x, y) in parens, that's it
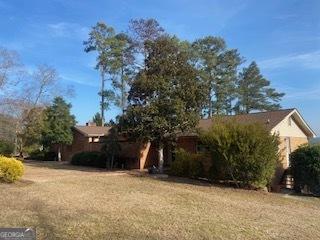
(289, 128)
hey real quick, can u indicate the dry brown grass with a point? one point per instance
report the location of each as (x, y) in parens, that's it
(65, 202)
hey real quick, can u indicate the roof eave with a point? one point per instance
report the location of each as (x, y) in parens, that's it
(307, 128)
(312, 133)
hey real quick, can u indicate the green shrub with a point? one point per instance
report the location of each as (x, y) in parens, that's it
(6, 148)
(43, 155)
(36, 155)
(187, 164)
(244, 153)
(90, 159)
(10, 169)
(305, 168)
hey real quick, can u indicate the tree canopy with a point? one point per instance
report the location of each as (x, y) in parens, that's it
(217, 69)
(165, 97)
(127, 57)
(254, 91)
(97, 119)
(58, 122)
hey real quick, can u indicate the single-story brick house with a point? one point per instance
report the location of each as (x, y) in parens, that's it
(287, 123)
(292, 129)
(90, 138)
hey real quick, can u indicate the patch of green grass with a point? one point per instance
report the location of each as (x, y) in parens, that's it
(67, 202)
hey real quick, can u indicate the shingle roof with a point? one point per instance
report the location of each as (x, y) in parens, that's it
(270, 118)
(92, 131)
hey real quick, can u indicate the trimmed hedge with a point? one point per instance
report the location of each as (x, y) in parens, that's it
(90, 159)
(305, 168)
(187, 164)
(10, 169)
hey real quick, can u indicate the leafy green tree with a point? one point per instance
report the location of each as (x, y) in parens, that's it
(57, 125)
(101, 39)
(165, 97)
(97, 119)
(217, 68)
(244, 153)
(254, 92)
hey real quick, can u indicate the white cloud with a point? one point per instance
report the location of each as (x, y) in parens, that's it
(80, 80)
(306, 94)
(310, 60)
(294, 93)
(68, 30)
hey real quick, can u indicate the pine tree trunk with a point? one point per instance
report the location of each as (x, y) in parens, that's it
(102, 97)
(122, 91)
(160, 155)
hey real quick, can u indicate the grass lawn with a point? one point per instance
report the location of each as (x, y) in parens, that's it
(66, 202)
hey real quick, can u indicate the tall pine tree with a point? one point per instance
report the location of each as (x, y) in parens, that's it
(217, 70)
(101, 39)
(122, 67)
(254, 92)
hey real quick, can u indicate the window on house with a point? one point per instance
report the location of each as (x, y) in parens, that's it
(94, 139)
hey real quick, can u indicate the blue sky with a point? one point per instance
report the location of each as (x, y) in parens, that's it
(283, 36)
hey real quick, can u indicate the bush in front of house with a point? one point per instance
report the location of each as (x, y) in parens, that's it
(305, 168)
(6, 148)
(42, 155)
(246, 154)
(10, 169)
(90, 159)
(187, 164)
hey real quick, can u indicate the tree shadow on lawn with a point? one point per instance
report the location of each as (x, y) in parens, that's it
(222, 185)
(66, 166)
(182, 180)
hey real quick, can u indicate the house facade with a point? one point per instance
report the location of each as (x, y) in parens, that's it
(288, 124)
(91, 138)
